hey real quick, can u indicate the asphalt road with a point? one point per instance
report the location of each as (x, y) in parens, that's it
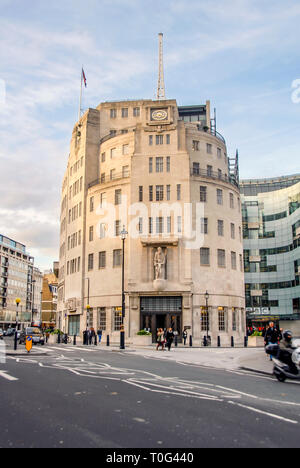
(92, 398)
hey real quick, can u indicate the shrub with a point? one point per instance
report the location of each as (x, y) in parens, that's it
(144, 333)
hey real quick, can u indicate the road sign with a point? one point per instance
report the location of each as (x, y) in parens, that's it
(28, 344)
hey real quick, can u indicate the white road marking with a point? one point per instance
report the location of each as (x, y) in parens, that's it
(271, 415)
(6, 376)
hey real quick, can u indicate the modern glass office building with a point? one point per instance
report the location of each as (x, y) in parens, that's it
(271, 231)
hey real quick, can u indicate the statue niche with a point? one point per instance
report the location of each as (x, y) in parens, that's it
(160, 263)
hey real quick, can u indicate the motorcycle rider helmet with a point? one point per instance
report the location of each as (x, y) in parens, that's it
(287, 336)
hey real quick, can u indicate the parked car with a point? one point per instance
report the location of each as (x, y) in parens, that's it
(9, 332)
(36, 333)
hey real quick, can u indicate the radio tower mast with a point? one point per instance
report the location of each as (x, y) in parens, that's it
(161, 92)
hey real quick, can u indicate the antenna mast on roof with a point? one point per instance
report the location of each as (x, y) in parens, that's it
(161, 92)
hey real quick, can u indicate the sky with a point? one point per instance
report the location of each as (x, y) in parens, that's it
(243, 55)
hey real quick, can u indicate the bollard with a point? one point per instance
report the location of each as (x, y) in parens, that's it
(232, 342)
(58, 338)
(246, 341)
(205, 341)
(191, 341)
(95, 340)
(74, 340)
(107, 340)
(219, 342)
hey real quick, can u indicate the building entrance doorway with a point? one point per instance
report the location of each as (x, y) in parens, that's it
(161, 312)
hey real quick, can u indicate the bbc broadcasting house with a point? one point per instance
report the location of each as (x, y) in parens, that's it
(271, 231)
(162, 172)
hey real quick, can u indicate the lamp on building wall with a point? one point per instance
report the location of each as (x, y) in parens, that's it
(18, 301)
(124, 235)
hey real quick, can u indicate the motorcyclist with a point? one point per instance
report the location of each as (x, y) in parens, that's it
(286, 350)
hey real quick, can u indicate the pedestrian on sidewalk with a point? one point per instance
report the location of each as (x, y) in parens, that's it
(184, 336)
(160, 339)
(99, 333)
(272, 337)
(169, 338)
(91, 335)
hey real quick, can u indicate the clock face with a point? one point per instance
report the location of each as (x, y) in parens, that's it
(159, 115)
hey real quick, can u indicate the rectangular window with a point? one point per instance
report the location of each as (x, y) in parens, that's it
(113, 153)
(196, 168)
(168, 192)
(101, 318)
(204, 256)
(125, 112)
(91, 233)
(103, 157)
(179, 224)
(159, 164)
(233, 260)
(150, 225)
(159, 139)
(112, 174)
(209, 148)
(113, 113)
(219, 153)
(141, 193)
(221, 319)
(159, 193)
(140, 225)
(169, 224)
(125, 172)
(178, 192)
(91, 204)
(241, 263)
(168, 139)
(204, 225)
(209, 171)
(204, 320)
(231, 200)
(159, 225)
(117, 258)
(117, 320)
(196, 145)
(168, 164)
(118, 197)
(220, 197)
(221, 258)
(102, 260)
(232, 229)
(150, 140)
(151, 193)
(125, 149)
(219, 174)
(103, 200)
(90, 262)
(203, 194)
(117, 228)
(102, 178)
(136, 111)
(220, 228)
(234, 320)
(150, 165)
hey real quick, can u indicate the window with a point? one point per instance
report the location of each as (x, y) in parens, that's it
(113, 132)
(203, 194)
(159, 193)
(118, 197)
(233, 260)
(91, 233)
(168, 192)
(117, 228)
(234, 320)
(117, 258)
(220, 228)
(103, 200)
(204, 256)
(231, 200)
(125, 171)
(150, 140)
(141, 226)
(168, 138)
(219, 153)
(196, 145)
(159, 164)
(159, 225)
(241, 263)
(141, 193)
(204, 225)
(168, 163)
(196, 168)
(112, 174)
(219, 174)
(209, 148)
(178, 192)
(90, 262)
(209, 171)
(125, 112)
(103, 157)
(102, 230)
(91, 204)
(169, 224)
(101, 318)
(151, 193)
(150, 225)
(205, 325)
(125, 149)
(117, 320)
(102, 178)
(179, 224)
(136, 111)
(220, 197)
(113, 153)
(221, 319)
(102, 260)
(113, 113)
(232, 229)
(150, 165)
(159, 139)
(221, 258)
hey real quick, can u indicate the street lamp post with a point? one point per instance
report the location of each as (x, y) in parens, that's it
(207, 316)
(87, 313)
(124, 234)
(17, 324)
(32, 305)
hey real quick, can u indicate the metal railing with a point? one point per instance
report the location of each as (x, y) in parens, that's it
(109, 178)
(214, 175)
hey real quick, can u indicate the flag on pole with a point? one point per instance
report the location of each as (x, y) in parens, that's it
(84, 78)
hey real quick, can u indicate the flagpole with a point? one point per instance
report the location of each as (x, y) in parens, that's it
(80, 101)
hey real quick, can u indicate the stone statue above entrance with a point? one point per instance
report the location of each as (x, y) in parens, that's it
(160, 259)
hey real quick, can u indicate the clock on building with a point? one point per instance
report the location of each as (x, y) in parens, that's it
(159, 114)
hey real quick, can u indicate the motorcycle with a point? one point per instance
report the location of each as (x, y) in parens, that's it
(286, 363)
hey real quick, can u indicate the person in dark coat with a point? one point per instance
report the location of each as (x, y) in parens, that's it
(169, 338)
(184, 336)
(272, 336)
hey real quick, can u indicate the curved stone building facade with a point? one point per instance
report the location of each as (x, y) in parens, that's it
(162, 171)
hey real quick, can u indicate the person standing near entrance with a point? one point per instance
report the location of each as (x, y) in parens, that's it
(169, 338)
(184, 336)
(160, 339)
(272, 336)
(99, 333)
